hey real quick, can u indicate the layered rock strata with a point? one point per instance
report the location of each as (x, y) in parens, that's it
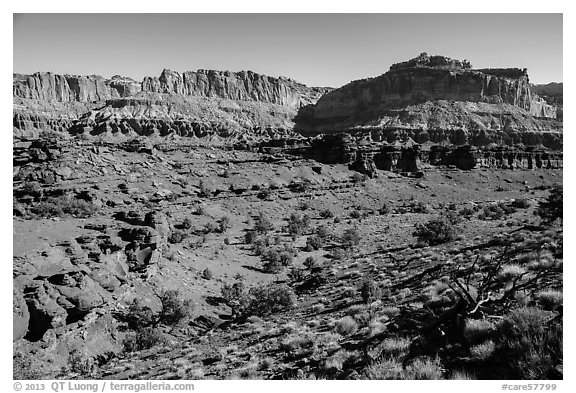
(431, 93)
(367, 156)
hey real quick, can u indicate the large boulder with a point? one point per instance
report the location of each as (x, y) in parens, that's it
(20, 315)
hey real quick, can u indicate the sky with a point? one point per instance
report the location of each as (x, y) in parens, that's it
(315, 49)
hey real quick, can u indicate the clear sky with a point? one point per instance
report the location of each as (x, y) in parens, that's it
(316, 49)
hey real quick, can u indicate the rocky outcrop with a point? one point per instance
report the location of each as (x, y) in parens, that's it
(431, 92)
(54, 87)
(244, 85)
(365, 156)
(20, 315)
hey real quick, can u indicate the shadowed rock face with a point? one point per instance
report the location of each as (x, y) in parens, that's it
(406, 96)
(366, 156)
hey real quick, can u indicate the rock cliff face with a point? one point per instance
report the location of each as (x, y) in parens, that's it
(244, 85)
(53, 87)
(366, 156)
(193, 104)
(468, 99)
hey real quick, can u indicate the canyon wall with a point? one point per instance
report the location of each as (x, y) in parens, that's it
(237, 105)
(467, 98)
(244, 85)
(66, 88)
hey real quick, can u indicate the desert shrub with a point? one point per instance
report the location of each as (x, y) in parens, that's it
(261, 245)
(172, 311)
(355, 214)
(210, 227)
(310, 263)
(304, 205)
(551, 209)
(323, 232)
(418, 207)
(47, 210)
(176, 237)
(186, 223)
(497, 211)
(297, 224)
(385, 209)
(520, 203)
(510, 271)
(395, 346)
(77, 207)
(346, 326)
(277, 258)
(270, 298)
(144, 338)
(302, 185)
(341, 253)
(296, 274)
(139, 315)
(326, 213)
(529, 344)
(424, 369)
(207, 274)
(477, 330)
(250, 237)
(235, 296)
(466, 212)
(370, 291)
(200, 210)
(351, 238)
(436, 231)
(550, 299)
(483, 351)
(262, 224)
(59, 206)
(79, 363)
(460, 375)
(224, 224)
(386, 369)
(204, 191)
(313, 243)
(264, 194)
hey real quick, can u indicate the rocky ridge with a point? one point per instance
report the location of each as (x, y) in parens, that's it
(242, 86)
(232, 106)
(431, 93)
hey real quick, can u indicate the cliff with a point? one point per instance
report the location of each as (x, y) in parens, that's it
(376, 102)
(68, 88)
(239, 106)
(244, 85)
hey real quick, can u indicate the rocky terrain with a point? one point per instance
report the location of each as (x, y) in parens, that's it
(180, 228)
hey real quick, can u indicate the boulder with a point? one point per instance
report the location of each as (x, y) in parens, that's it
(20, 315)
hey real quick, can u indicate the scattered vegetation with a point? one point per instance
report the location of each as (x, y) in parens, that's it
(261, 300)
(61, 206)
(436, 231)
